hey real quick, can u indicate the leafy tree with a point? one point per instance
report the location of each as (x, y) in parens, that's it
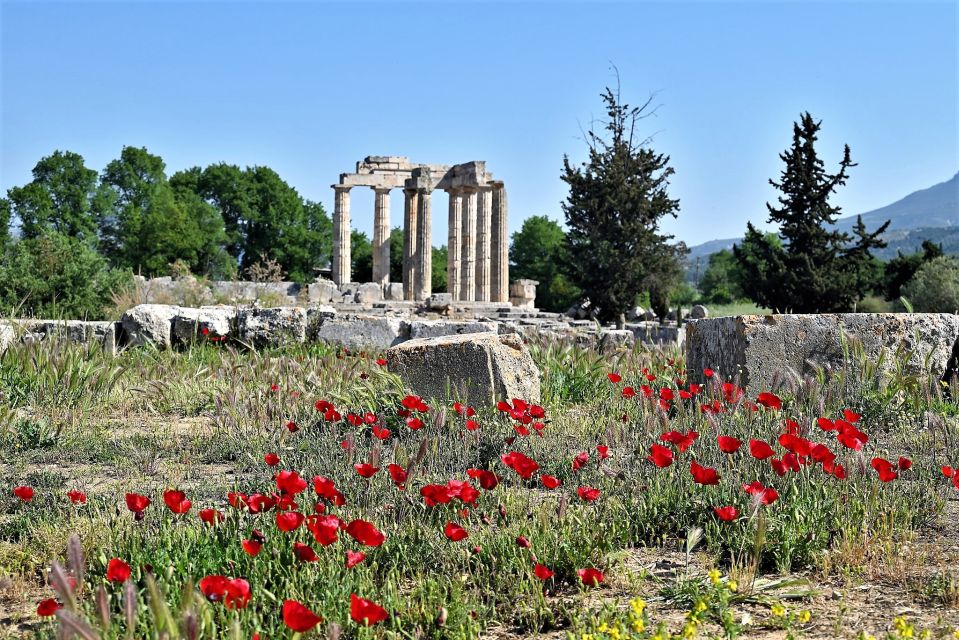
(902, 268)
(722, 281)
(935, 286)
(5, 216)
(815, 269)
(438, 277)
(613, 210)
(538, 252)
(54, 275)
(361, 256)
(59, 198)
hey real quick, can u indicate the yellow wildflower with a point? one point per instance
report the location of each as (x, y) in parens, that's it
(638, 605)
(804, 616)
(733, 585)
(603, 628)
(700, 607)
(638, 625)
(689, 631)
(778, 610)
(714, 576)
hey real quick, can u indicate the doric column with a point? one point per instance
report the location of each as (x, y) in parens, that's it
(423, 286)
(499, 246)
(409, 242)
(453, 244)
(484, 212)
(341, 235)
(468, 244)
(381, 236)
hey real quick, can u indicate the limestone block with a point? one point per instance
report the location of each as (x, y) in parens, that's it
(758, 348)
(436, 328)
(440, 301)
(480, 369)
(348, 289)
(698, 312)
(321, 291)
(635, 314)
(315, 317)
(363, 331)
(149, 324)
(7, 336)
(616, 339)
(522, 293)
(190, 325)
(368, 293)
(271, 327)
(393, 291)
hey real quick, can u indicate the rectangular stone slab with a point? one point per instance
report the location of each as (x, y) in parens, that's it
(758, 349)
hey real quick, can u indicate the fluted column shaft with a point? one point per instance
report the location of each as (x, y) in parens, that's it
(453, 247)
(468, 246)
(381, 236)
(409, 242)
(499, 246)
(423, 287)
(341, 235)
(484, 212)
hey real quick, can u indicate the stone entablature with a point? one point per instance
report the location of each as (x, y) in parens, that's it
(478, 257)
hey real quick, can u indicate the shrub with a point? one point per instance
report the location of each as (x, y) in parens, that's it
(56, 276)
(935, 286)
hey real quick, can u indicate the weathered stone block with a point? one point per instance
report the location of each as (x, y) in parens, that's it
(698, 312)
(368, 293)
(758, 348)
(360, 331)
(615, 339)
(522, 293)
(393, 291)
(436, 328)
(190, 325)
(271, 327)
(440, 301)
(321, 291)
(315, 317)
(479, 369)
(149, 324)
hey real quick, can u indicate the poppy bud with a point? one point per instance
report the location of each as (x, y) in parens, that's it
(502, 512)
(477, 549)
(441, 618)
(523, 542)
(138, 516)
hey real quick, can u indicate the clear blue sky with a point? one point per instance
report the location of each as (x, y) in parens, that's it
(310, 88)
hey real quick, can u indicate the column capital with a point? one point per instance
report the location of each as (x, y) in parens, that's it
(381, 190)
(341, 187)
(496, 184)
(468, 190)
(454, 191)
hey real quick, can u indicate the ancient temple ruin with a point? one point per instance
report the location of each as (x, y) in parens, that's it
(478, 264)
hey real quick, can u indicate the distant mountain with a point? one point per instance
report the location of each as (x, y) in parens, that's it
(927, 214)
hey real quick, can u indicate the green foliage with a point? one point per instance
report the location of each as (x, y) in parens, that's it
(59, 198)
(361, 257)
(5, 217)
(438, 277)
(902, 268)
(935, 286)
(722, 281)
(815, 269)
(57, 276)
(538, 251)
(615, 203)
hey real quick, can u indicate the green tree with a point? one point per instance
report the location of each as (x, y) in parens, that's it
(613, 210)
(815, 269)
(59, 198)
(935, 286)
(538, 252)
(722, 281)
(54, 275)
(438, 277)
(902, 268)
(5, 217)
(361, 257)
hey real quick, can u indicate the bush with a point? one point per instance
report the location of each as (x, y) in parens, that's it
(57, 276)
(935, 286)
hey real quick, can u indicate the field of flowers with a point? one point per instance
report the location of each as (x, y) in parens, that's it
(302, 492)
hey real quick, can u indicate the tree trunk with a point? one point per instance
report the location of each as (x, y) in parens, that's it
(621, 321)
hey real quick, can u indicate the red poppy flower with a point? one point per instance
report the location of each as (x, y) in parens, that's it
(590, 577)
(765, 495)
(211, 516)
(726, 514)
(521, 541)
(487, 479)
(304, 552)
(885, 469)
(905, 463)
(271, 459)
(589, 494)
(472, 425)
(760, 449)
(778, 466)
(366, 612)
(353, 558)
(541, 572)
(948, 471)
(290, 482)
(292, 427)
(629, 392)
(821, 453)
(398, 474)
(325, 488)
(521, 464)
(850, 416)
(298, 618)
(287, 521)
(237, 594)
(77, 497)
(769, 400)
(365, 533)
(455, 532)
(137, 503)
(47, 607)
(549, 481)
(728, 444)
(614, 377)
(117, 570)
(682, 440)
(381, 362)
(365, 470)
(580, 460)
(660, 456)
(708, 373)
(380, 433)
(252, 547)
(602, 451)
(703, 475)
(325, 528)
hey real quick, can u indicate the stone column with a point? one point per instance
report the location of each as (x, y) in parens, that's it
(423, 287)
(484, 212)
(453, 244)
(381, 236)
(499, 246)
(409, 242)
(341, 235)
(468, 246)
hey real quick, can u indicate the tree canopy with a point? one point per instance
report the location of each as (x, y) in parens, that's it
(538, 251)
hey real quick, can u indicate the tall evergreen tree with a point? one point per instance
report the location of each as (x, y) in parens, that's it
(816, 268)
(613, 210)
